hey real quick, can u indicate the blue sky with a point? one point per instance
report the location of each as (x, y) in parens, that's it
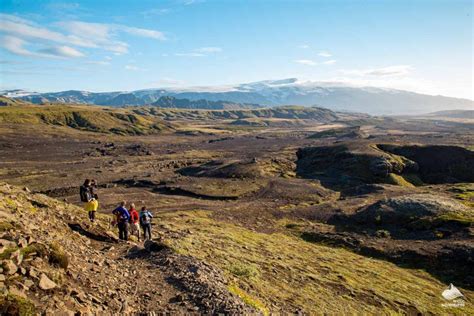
(423, 46)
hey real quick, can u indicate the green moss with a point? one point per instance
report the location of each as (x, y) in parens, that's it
(398, 180)
(7, 253)
(455, 217)
(465, 193)
(10, 203)
(381, 233)
(5, 226)
(58, 257)
(292, 225)
(248, 299)
(413, 179)
(300, 274)
(92, 119)
(244, 270)
(14, 305)
(36, 248)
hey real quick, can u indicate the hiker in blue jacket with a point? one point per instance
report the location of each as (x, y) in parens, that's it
(123, 219)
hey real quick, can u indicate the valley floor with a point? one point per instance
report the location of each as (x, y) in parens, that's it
(242, 225)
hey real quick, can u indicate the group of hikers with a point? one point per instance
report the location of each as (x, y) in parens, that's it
(129, 221)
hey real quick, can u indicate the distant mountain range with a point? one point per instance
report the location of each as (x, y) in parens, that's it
(172, 102)
(335, 96)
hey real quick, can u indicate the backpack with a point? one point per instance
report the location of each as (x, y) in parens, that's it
(84, 193)
(144, 218)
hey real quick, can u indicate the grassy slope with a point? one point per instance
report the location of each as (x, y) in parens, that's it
(290, 112)
(4, 101)
(281, 271)
(276, 272)
(87, 118)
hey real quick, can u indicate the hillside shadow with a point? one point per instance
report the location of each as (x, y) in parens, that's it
(97, 237)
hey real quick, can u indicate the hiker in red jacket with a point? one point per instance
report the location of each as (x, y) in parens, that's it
(134, 221)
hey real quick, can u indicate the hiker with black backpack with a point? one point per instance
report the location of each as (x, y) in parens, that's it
(123, 219)
(85, 192)
(145, 223)
(93, 187)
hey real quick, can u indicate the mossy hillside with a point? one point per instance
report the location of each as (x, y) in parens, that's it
(417, 212)
(4, 101)
(346, 132)
(286, 112)
(288, 273)
(356, 163)
(465, 193)
(398, 180)
(87, 118)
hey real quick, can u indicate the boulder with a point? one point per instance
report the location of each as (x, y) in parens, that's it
(154, 246)
(10, 267)
(412, 208)
(45, 283)
(380, 167)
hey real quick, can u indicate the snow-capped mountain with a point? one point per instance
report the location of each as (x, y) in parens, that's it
(291, 91)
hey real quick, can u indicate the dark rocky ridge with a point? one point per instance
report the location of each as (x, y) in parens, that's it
(172, 102)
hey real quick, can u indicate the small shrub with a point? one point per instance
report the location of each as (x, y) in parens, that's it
(378, 219)
(39, 249)
(291, 225)
(5, 226)
(58, 257)
(244, 270)
(14, 305)
(381, 233)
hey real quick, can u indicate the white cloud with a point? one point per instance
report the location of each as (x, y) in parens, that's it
(142, 32)
(18, 27)
(17, 45)
(304, 46)
(397, 70)
(307, 62)
(62, 51)
(329, 62)
(77, 33)
(325, 54)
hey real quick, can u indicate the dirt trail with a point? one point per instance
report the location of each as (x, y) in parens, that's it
(58, 262)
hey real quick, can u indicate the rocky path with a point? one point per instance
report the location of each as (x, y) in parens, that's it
(54, 262)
